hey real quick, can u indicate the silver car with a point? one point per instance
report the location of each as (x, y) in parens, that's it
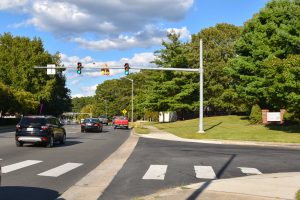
(103, 120)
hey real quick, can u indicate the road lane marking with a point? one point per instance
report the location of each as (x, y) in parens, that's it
(156, 172)
(248, 170)
(55, 172)
(205, 172)
(16, 166)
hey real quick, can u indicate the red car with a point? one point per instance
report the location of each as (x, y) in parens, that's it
(120, 122)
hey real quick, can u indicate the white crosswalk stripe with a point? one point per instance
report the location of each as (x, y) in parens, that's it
(156, 172)
(19, 165)
(205, 172)
(248, 170)
(55, 172)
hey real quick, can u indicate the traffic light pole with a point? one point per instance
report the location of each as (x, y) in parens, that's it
(201, 130)
(200, 71)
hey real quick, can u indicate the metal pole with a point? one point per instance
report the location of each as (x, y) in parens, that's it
(132, 103)
(201, 130)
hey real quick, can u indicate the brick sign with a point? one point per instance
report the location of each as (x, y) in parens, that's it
(268, 117)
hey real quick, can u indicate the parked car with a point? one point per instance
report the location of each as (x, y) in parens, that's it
(40, 129)
(91, 124)
(103, 119)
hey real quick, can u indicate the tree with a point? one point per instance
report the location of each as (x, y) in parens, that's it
(218, 50)
(18, 56)
(270, 36)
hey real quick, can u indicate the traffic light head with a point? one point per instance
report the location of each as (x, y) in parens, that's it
(79, 67)
(126, 68)
(105, 70)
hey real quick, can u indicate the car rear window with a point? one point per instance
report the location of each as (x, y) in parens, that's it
(32, 121)
(91, 120)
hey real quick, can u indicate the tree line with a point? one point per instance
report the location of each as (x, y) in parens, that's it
(257, 64)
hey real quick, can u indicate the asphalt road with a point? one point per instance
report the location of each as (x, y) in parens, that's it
(156, 164)
(67, 163)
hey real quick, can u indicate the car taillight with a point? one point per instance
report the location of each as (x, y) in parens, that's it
(97, 124)
(44, 138)
(82, 124)
(44, 128)
(18, 127)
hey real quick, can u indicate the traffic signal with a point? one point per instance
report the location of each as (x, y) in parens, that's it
(105, 70)
(79, 67)
(126, 68)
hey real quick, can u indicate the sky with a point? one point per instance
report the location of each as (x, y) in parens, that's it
(114, 32)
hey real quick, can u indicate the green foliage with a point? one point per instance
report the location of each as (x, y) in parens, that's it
(218, 49)
(31, 87)
(255, 115)
(266, 70)
(79, 102)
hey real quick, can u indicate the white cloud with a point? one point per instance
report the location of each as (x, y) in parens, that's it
(88, 90)
(12, 4)
(114, 24)
(151, 36)
(184, 32)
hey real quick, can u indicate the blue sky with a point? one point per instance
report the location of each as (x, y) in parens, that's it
(113, 32)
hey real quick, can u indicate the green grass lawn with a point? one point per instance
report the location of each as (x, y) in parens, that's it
(232, 128)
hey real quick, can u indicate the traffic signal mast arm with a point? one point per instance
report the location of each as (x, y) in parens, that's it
(131, 68)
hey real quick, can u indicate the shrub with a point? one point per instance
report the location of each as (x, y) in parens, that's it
(255, 115)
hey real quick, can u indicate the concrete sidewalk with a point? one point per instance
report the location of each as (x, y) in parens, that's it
(162, 135)
(256, 187)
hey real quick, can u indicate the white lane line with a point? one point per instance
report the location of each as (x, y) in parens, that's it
(16, 166)
(205, 172)
(55, 172)
(248, 170)
(156, 172)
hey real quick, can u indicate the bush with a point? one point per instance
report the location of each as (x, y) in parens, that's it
(255, 115)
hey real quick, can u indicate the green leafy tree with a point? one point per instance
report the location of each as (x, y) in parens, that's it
(218, 45)
(18, 56)
(271, 35)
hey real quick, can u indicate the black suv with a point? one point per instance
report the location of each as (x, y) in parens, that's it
(40, 129)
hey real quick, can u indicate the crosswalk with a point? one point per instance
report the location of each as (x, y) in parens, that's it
(54, 172)
(153, 172)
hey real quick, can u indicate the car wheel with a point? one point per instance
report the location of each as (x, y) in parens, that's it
(50, 143)
(82, 130)
(101, 129)
(19, 144)
(63, 139)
